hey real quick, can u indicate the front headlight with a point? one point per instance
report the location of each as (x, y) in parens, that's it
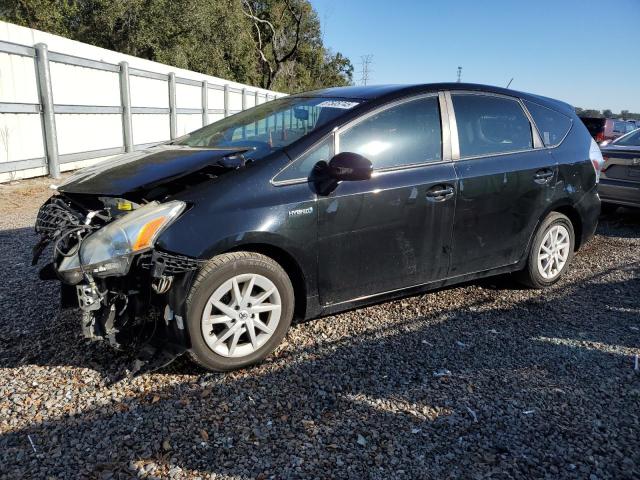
(109, 251)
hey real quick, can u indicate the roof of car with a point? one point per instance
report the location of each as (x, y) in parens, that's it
(380, 92)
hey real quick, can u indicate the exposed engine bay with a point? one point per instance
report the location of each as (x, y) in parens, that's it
(131, 294)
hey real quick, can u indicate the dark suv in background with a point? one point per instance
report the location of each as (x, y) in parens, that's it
(317, 203)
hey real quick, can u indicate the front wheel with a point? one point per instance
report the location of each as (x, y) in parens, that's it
(238, 310)
(551, 252)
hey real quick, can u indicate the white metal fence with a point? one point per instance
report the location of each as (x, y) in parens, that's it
(58, 110)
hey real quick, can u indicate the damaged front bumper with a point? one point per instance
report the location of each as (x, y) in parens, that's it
(131, 297)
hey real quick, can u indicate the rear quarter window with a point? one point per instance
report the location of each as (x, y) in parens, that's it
(553, 126)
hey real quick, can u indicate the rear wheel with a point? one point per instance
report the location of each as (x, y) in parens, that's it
(551, 252)
(238, 310)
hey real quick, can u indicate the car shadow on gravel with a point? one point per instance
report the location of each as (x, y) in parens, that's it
(622, 223)
(530, 389)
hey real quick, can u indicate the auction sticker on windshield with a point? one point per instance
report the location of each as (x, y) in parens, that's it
(337, 104)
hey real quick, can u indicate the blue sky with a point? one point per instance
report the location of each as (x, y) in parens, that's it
(581, 51)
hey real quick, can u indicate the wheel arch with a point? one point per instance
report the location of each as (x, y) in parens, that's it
(290, 265)
(571, 213)
(574, 217)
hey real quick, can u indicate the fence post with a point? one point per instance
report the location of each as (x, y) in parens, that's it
(173, 117)
(48, 114)
(255, 94)
(244, 99)
(226, 100)
(125, 101)
(205, 103)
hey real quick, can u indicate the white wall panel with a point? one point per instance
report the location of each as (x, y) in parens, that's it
(74, 85)
(214, 117)
(188, 123)
(17, 79)
(235, 101)
(150, 128)
(85, 132)
(20, 137)
(21, 134)
(216, 99)
(148, 92)
(188, 96)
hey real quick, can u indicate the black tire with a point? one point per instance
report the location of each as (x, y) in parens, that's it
(530, 275)
(217, 271)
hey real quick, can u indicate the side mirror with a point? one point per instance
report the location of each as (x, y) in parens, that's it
(350, 166)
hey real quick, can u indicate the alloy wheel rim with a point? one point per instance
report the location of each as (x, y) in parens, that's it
(553, 252)
(241, 315)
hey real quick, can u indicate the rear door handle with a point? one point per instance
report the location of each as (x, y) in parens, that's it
(542, 176)
(440, 192)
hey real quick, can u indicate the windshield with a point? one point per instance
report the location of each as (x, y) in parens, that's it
(270, 126)
(629, 140)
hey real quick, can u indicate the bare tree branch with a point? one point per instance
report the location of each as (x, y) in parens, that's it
(277, 39)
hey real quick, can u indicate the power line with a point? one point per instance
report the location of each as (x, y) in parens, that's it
(365, 73)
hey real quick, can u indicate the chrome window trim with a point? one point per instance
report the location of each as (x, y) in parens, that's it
(535, 136)
(409, 166)
(445, 127)
(341, 129)
(556, 145)
(453, 126)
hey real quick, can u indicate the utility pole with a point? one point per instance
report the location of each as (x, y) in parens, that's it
(365, 73)
(459, 74)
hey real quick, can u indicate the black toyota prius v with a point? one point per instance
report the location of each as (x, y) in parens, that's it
(316, 203)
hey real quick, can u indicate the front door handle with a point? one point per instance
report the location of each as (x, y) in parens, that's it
(440, 192)
(543, 176)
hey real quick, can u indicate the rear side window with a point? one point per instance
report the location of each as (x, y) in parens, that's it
(406, 134)
(553, 126)
(490, 125)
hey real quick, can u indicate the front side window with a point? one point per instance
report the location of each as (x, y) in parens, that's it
(302, 167)
(406, 134)
(270, 126)
(490, 124)
(552, 125)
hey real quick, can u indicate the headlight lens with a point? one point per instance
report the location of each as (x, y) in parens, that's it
(108, 251)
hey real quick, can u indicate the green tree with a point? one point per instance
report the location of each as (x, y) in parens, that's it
(272, 43)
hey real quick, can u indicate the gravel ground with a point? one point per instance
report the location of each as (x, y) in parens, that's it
(481, 380)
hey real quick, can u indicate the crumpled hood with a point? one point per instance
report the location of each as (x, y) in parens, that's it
(143, 170)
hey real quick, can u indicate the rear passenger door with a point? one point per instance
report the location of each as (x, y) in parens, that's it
(506, 180)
